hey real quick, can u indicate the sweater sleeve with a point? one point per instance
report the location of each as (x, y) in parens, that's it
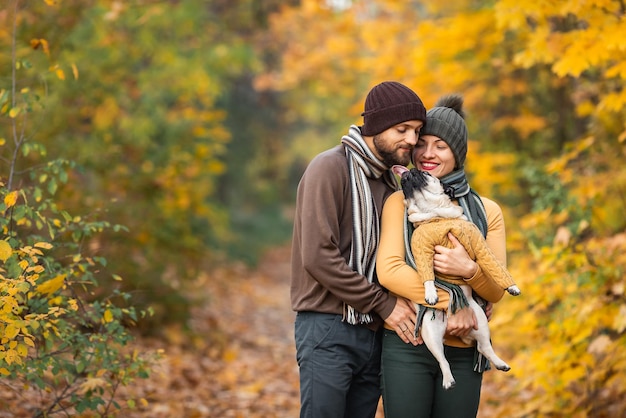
(496, 241)
(322, 200)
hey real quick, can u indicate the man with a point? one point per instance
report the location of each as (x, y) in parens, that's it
(340, 305)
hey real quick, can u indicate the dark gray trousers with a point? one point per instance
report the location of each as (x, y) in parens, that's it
(411, 381)
(339, 367)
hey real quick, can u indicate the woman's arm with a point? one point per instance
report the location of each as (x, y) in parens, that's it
(496, 241)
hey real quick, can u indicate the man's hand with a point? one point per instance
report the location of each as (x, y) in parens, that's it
(454, 261)
(462, 322)
(402, 320)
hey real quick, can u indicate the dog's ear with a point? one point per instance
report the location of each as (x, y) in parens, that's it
(399, 170)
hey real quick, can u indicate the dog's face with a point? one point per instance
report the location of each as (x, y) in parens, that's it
(421, 186)
(425, 198)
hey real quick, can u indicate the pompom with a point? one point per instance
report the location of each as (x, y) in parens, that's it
(453, 101)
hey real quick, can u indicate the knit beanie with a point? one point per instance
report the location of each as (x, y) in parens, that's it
(446, 121)
(390, 103)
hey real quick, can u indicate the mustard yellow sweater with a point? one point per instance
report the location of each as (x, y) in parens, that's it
(402, 280)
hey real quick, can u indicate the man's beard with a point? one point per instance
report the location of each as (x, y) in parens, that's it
(388, 155)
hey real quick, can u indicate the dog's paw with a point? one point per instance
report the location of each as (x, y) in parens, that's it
(431, 293)
(449, 384)
(503, 367)
(432, 300)
(514, 290)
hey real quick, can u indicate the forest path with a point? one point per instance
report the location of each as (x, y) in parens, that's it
(242, 362)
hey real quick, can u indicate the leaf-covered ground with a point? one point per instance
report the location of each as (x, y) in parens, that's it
(241, 364)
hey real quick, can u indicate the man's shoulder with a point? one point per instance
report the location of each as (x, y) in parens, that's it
(331, 159)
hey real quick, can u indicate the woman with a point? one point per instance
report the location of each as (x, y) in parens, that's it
(411, 377)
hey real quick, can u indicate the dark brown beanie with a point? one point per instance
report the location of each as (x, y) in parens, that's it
(446, 121)
(390, 103)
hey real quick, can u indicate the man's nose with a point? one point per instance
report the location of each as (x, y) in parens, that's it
(411, 138)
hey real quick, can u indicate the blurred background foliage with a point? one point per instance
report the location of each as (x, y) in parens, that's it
(191, 121)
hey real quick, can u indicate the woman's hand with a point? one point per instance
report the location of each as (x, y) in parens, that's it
(454, 261)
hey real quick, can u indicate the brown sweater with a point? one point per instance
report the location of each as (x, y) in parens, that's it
(321, 279)
(401, 279)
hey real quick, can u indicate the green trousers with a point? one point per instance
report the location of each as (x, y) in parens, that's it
(411, 381)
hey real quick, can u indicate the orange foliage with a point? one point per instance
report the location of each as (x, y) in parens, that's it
(565, 333)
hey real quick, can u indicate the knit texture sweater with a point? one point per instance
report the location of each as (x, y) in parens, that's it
(428, 234)
(402, 280)
(321, 279)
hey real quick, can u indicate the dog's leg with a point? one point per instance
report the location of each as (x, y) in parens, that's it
(482, 334)
(433, 330)
(430, 292)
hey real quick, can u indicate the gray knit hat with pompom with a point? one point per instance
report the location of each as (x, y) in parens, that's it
(447, 121)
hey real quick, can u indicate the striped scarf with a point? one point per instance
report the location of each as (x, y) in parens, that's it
(363, 164)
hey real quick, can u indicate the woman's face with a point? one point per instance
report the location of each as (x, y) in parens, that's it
(433, 155)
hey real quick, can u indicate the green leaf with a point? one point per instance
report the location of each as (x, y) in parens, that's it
(52, 186)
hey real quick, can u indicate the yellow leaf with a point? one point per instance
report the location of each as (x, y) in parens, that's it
(11, 331)
(14, 112)
(60, 74)
(92, 383)
(5, 250)
(619, 323)
(12, 357)
(4, 371)
(22, 350)
(35, 269)
(44, 245)
(52, 285)
(230, 355)
(10, 199)
(108, 316)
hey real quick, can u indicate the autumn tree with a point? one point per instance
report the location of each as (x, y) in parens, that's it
(63, 342)
(543, 85)
(143, 113)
